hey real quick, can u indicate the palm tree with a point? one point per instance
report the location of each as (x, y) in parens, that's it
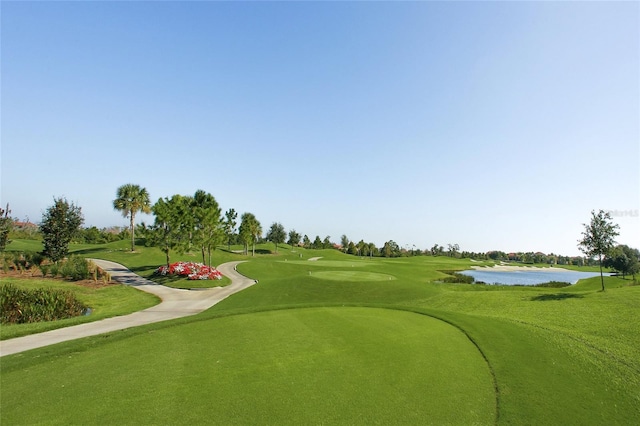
(131, 199)
(250, 231)
(256, 231)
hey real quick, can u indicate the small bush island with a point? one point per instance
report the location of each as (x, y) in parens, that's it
(19, 306)
(191, 270)
(554, 284)
(456, 277)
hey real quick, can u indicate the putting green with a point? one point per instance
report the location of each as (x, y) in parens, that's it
(297, 366)
(351, 276)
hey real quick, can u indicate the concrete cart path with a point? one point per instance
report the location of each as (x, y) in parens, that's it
(176, 303)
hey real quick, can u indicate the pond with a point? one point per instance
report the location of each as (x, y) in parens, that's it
(529, 277)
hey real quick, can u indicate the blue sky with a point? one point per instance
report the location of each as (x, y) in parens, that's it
(493, 125)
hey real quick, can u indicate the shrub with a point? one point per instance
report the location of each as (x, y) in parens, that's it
(8, 262)
(44, 268)
(76, 268)
(32, 258)
(18, 306)
(66, 269)
(21, 261)
(553, 284)
(456, 277)
(55, 270)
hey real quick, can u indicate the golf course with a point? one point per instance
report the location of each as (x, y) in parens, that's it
(338, 339)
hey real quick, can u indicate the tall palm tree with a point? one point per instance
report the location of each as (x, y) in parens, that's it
(131, 199)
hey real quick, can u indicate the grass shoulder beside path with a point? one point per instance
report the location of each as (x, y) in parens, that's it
(105, 302)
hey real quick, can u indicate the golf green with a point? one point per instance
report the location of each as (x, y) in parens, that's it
(301, 366)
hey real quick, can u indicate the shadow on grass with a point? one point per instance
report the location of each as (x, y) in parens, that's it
(557, 296)
(91, 250)
(261, 251)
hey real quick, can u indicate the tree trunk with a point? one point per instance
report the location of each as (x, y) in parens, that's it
(203, 259)
(601, 276)
(131, 215)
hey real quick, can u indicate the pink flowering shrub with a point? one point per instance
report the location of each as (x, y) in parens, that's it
(191, 270)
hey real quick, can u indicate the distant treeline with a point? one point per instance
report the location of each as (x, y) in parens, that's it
(94, 235)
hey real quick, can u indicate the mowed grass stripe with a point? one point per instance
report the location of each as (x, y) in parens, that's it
(304, 366)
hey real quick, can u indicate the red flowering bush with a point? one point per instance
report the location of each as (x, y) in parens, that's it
(191, 270)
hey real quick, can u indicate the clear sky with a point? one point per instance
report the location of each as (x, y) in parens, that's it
(493, 125)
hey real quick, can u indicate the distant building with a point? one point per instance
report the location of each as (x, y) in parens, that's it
(24, 226)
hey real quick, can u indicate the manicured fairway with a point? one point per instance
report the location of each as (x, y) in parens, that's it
(351, 276)
(355, 263)
(303, 366)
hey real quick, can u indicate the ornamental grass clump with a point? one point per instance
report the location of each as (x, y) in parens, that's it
(19, 306)
(76, 268)
(191, 270)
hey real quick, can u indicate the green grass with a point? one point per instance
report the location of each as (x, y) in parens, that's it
(25, 245)
(104, 302)
(302, 347)
(345, 276)
(263, 368)
(355, 263)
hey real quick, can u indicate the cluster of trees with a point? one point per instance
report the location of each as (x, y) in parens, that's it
(538, 257)
(12, 228)
(624, 260)
(93, 235)
(361, 248)
(184, 223)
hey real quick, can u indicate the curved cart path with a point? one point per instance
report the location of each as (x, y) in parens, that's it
(176, 303)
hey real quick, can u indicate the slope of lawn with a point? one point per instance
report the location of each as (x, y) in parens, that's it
(303, 366)
(300, 341)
